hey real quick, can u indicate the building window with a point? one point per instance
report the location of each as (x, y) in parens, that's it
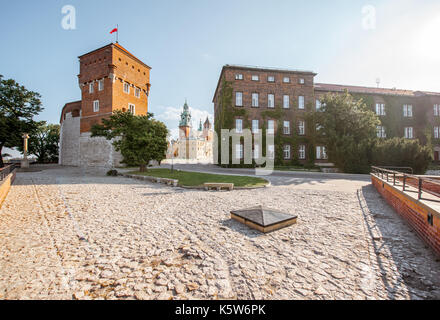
(286, 152)
(132, 108)
(271, 151)
(239, 99)
(380, 109)
(301, 102)
(238, 76)
(302, 152)
(286, 127)
(321, 153)
(381, 133)
(255, 126)
(301, 81)
(255, 100)
(286, 102)
(270, 79)
(271, 100)
(256, 154)
(409, 133)
(436, 110)
(255, 78)
(271, 127)
(238, 125)
(286, 80)
(126, 87)
(137, 93)
(238, 151)
(96, 106)
(91, 87)
(318, 105)
(301, 127)
(436, 132)
(101, 85)
(407, 110)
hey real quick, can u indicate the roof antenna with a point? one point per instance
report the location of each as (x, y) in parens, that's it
(378, 82)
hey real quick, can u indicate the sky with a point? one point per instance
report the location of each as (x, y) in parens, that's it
(187, 42)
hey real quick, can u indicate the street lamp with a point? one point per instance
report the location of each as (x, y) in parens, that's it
(172, 157)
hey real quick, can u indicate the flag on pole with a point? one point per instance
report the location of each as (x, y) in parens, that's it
(117, 32)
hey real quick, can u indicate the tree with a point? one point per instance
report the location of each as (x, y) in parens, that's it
(18, 106)
(401, 152)
(140, 139)
(43, 142)
(348, 128)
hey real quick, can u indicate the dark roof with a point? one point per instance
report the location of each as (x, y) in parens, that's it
(360, 89)
(68, 107)
(121, 48)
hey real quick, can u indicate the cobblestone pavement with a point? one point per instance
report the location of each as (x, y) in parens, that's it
(67, 235)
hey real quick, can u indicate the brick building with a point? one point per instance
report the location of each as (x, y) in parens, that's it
(110, 78)
(254, 97)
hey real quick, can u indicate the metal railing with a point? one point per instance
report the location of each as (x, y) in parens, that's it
(397, 177)
(4, 172)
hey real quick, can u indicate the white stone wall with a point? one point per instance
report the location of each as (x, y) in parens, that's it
(69, 141)
(98, 152)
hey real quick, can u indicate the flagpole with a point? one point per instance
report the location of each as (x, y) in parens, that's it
(117, 33)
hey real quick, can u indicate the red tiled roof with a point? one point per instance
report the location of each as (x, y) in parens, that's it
(359, 89)
(117, 45)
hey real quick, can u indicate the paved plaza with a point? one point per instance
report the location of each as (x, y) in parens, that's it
(69, 234)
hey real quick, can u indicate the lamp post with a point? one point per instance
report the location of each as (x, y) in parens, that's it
(172, 156)
(25, 161)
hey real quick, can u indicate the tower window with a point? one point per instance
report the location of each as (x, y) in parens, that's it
(91, 87)
(137, 93)
(101, 85)
(132, 108)
(126, 87)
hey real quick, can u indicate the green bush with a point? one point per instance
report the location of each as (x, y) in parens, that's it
(400, 152)
(112, 173)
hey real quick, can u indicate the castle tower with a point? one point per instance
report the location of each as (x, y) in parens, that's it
(185, 122)
(207, 130)
(110, 79)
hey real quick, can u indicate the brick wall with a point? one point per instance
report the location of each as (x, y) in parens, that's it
(115, 66)
(278, 88)
(5, 185)
(413, 211)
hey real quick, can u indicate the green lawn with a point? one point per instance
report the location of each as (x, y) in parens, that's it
(195, 179)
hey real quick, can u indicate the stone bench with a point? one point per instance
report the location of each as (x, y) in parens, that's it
(218, 186)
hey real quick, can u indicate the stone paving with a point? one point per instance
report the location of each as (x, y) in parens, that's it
(67, 235)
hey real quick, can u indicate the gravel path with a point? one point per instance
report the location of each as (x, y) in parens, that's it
(67, 235)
